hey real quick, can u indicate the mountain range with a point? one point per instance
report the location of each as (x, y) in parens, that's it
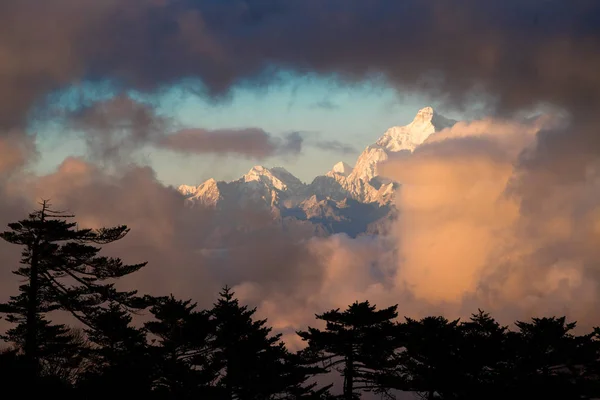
(353, 200)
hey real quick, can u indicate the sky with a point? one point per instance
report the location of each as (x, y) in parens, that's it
(107, 104)
(354, 116)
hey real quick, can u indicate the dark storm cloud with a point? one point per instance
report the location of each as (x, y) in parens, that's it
(517, 51)
(114, 128)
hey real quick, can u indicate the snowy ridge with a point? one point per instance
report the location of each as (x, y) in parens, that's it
(207, 193)
(359, 183)
(187, 190)
(340, 168)
(274, 185)
(263, 175)
(408, 137)
(328, 197)
(261, 186)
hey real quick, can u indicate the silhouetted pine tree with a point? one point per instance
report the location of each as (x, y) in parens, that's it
(358, 343)
(483, 362)
(429, 363)
(550, 362)
(67, 357)
(441, 359)
(62, 271)
(250, 363)
(183, 338)
(590, 375)
(61, 350)
(295, 373)
(119, 354)
(17, 384)
(449, 360)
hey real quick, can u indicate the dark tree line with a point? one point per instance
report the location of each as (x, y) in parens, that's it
(224, 352)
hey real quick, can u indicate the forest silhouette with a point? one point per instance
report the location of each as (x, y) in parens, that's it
(225, 352)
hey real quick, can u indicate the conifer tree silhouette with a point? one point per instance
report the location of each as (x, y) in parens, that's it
(590, 373)
(550, 361)
(61, 270)
(453, 360)
(250, 363)
(441, 359)
(224, 353)
(295, 372)
(62, 351)
(483, 362)
(358, 343)
(183, 337)
(429, 357)
(119, 354)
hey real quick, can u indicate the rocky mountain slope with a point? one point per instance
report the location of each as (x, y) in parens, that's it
(346, 199)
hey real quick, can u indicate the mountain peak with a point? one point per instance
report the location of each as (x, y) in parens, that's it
(257, 173)
(428, 118)
(426, 122)
(287, 178)
(258, 169)
(187, 190)
(424, 115)
(208, 193)
(397, 139)
(342, 168)
(277, 178)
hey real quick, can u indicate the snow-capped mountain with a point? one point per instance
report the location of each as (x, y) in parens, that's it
(345, 199)
(260, 187)
(363, 183)
(341, 168)
(187, 190)
(408, 137)
(277, 178)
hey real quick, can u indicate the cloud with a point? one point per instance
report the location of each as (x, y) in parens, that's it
(466, 237)
(494, 214)
(428, 45)
(184, 246)
(350, 270)
(481, 224)
(115, 127)
(16, 152)
(476, 229)
(249, 142)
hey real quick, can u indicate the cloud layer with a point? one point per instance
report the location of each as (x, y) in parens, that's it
(481, 226)
(478, 227)
(496, 213)
(472, 233)
(432, 45)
